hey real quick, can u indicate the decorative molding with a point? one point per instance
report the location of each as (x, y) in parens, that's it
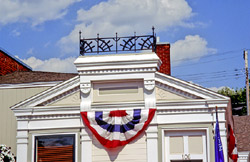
(175, 91)
(85, 87)
(175, 111)
(149, 84)
(76, 97)
(195, 89)
(161, 93)
(166, 111)
(48, 117)
(114, 71)
(59, 97)
(49, 93)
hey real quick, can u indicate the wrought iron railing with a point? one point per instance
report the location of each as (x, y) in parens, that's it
(117, 44)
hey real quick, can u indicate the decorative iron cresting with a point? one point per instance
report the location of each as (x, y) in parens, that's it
(117, 44)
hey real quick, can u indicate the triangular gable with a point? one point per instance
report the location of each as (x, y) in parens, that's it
(71, 99)
(52, 95)
(163, 93)
(68, 92)
(184, 89)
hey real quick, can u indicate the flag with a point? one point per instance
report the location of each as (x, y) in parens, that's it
(119, 127)
(232, 149)
(219, 157)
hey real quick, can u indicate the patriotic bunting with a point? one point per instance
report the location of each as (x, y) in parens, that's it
(117, 128)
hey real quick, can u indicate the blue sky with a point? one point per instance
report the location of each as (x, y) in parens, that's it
(207, 37)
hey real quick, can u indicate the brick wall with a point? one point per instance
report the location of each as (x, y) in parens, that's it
(163, 52)
(9, 65)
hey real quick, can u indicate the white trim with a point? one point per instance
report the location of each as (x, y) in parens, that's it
(243, 156)
(49, 93)
(205, 139)
(188, 87)
(29, 85)
(51, 134)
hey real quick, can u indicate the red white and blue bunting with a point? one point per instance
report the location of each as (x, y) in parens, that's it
(119, 127)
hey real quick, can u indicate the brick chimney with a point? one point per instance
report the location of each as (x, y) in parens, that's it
(163, 52)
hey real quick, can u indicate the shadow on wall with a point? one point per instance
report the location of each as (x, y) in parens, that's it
(114, 152)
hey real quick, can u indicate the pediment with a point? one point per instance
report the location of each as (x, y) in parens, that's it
(167, 88)
(171, 88)
(72, 99)
(65, 93)
(163, 94)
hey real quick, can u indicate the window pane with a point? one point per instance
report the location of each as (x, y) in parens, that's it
(195, 145)
(55, 148)
(176, 145)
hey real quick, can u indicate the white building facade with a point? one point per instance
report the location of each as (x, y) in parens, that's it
(182, 128)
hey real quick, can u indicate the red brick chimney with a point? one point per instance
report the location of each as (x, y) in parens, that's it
(163, 52)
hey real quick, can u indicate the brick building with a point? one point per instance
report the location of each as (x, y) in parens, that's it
(10, 63)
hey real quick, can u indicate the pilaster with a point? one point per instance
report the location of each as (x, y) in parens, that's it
(86, 145)
(152, 143)
(22, 141)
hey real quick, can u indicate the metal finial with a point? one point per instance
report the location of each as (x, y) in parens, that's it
(80, 34)
(153, 29)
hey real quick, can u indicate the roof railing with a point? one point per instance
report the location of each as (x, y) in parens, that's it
(117, 44)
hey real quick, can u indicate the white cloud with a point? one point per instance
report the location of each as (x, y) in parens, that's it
(216, 89)
(34, 11)
(52, 64)
(125, 17)
(15, 33)
(193, 47)
(30, 51)
(47, 44)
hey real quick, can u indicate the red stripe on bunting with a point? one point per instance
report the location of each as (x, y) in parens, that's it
(118, 113)
(116, 143)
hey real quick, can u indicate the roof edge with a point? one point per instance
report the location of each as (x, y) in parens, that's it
(15, 58)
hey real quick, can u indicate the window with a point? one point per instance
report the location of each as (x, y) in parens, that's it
(185, 146)
(55, 148)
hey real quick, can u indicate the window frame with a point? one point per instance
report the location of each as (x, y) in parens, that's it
(185, 130)
(75, 145)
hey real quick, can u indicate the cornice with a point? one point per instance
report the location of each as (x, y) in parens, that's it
(49, 93)
(193, 102)
(172, 111)
(188, 87)
(176, 91)
(48, 117)
(29, 85)
(122, 63)
(115, 71)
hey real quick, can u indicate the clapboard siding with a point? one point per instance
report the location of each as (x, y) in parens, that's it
(8, 98)
(136, 152)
